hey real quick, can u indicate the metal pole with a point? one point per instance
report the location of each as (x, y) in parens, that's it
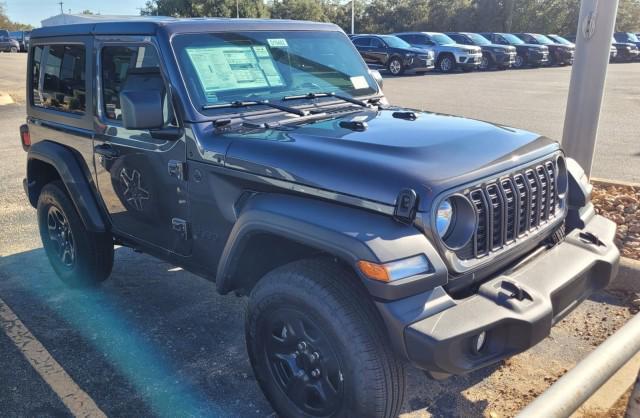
(575, 387)
(593, 42)
(353, 16)
(237, 10)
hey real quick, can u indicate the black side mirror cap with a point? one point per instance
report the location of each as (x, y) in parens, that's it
(170, 133)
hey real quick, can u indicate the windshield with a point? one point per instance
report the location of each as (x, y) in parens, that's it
(632, 37)
(15, 35)
(441, 39)
(512, 39)
(478, 39)
(395, 42)
(542, 39)
(560, 40)
(226, 67)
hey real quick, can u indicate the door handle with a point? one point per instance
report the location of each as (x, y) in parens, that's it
(106, 151)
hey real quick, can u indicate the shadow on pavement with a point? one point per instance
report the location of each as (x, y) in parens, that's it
(155, 340)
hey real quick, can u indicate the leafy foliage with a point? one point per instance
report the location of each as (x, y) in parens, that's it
(6, 23)
(383, 16)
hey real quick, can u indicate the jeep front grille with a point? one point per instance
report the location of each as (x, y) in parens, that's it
(510, 207)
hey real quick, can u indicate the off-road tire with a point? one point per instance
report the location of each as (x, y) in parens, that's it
(442, 65)
(92, 252)
(395, 66)
(335, 306)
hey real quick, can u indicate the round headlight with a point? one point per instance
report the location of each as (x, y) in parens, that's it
(444, 217)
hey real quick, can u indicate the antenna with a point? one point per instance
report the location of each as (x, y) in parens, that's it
(61, 9)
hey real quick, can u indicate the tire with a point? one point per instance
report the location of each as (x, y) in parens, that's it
(80, 258)
(446, 64)
(14, 50)
(395, 66)
(520, 62)
(317, 318)
(486, 62)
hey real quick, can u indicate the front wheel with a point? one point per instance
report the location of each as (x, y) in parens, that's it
(318, 347)
(14, 49)
(446, 64)
(395, 67)
(519, 62)
(485, 62)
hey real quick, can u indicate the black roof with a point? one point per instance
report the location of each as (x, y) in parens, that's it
(151, 25)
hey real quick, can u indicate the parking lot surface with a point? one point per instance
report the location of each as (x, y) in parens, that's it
(157, 341)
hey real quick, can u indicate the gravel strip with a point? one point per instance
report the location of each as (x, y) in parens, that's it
(620, 203)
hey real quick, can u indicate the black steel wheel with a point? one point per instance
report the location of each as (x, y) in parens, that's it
(317, 345)
(78, 256)
(303, 362)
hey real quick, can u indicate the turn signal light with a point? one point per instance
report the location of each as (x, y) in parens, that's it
(25, 137)
(395, 270)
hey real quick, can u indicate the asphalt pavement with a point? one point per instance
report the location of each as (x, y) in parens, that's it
(157, 341)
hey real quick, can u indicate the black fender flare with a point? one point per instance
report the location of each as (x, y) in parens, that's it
(76, 178)
(347, 233)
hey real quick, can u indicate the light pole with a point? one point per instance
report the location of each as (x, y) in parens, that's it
(593, 42)
(237, 10)
(353, 16)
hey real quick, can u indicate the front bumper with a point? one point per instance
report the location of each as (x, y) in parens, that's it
(537, 58)
(469, 60)
(419, 63)
(506, 60)
(440, 331)
(564, 56)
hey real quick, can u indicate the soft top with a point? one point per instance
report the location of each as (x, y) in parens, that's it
(142, 25)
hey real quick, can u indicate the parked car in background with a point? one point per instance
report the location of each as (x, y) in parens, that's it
(392, 53)
(449, 55)
(7, 43)
(20, 37)
(493, 55)
(559, 54)
(627, 52)
(565, 40)
(627, 37)
(533, 55)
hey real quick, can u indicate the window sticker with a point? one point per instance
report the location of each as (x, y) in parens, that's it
(231, 67)
(359, 82)
(278, 43)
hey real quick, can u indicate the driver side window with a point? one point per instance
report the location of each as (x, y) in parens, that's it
(377, 43)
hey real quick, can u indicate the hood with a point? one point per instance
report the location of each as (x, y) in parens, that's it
(534, 46)
(507, 48)
(430, 154)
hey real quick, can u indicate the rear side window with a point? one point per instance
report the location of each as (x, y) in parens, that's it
(116, 62)
(63, 82)
(362, 41)
(35, 75)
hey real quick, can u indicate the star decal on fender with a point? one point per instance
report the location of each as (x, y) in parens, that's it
(133, 193)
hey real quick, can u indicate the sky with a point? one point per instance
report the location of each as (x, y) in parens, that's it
(33, 11)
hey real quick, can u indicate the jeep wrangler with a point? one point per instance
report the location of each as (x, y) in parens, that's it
(262, 155)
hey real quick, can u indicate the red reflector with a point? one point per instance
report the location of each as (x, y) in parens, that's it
(25, 137)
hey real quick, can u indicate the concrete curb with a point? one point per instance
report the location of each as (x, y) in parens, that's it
(597, 180)
(628, 278)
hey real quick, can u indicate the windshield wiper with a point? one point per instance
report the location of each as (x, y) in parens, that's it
(312, 95)
(239, 103)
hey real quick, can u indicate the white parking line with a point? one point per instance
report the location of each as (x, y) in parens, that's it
(75, 399)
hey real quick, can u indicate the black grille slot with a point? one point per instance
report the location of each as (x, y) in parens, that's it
(510, 207)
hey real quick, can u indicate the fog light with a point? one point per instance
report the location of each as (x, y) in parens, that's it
(479, 342)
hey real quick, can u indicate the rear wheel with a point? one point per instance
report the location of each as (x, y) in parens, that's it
(446, 64)
(318, 347)
(14, 49)
(395, 66)
(79, 257)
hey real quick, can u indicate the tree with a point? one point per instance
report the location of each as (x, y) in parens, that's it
(6, 23)
(299, 10)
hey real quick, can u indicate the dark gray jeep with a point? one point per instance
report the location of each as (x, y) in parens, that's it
(262, 155)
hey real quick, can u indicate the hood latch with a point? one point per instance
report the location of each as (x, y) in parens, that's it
(406, 206)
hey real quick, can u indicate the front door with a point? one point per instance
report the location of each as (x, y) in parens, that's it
(141, 179)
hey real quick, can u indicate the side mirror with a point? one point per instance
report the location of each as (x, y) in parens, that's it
(142, 99)
(377, 76)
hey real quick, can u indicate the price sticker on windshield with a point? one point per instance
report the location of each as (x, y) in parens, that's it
(359, 82)
(278, 43)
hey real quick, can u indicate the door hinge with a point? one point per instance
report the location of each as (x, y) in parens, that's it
(181, 227)
(176, 169)
(406, 206)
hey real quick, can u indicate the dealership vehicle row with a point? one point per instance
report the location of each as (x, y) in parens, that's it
(419, 52)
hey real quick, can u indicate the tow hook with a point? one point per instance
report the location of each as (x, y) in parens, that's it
(589, 238)
(515, 290)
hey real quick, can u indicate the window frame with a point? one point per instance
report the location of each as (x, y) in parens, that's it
(83, 121)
